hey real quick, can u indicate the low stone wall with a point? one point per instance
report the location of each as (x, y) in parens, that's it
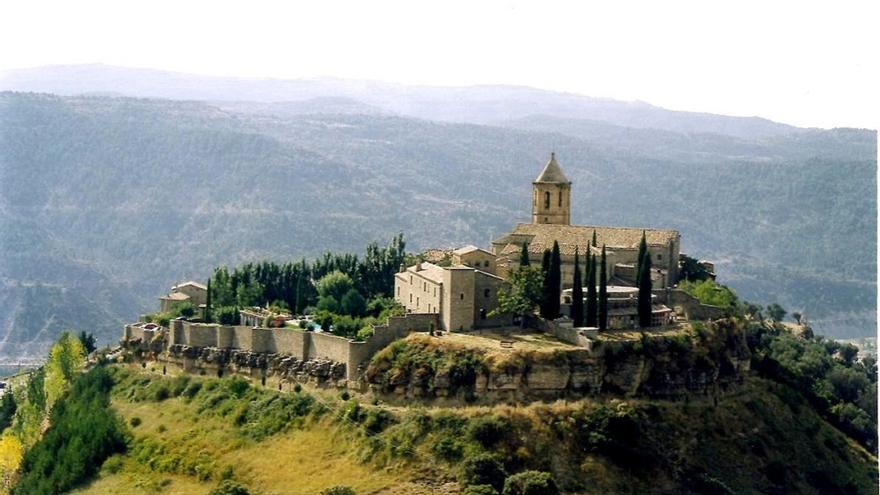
(678, 299)
(289, 342)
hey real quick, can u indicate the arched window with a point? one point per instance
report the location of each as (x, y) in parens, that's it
(560, 198)
(547, 199)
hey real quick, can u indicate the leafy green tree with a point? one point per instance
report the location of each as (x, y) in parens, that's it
(524, 255)
(328, 303)
(603, 292)
(249, 294)
(530, 483)
(300, 304)
(335, 284)
(524, 292)
(229, 487)
(353, 303)
(227, 315)
(776, 312)
(483, 469)
(644, 284)
(66, 357)
(577, 293)
(88, 341)
(592, 319)
(7, 410)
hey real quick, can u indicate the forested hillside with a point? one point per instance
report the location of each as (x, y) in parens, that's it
(105, 202)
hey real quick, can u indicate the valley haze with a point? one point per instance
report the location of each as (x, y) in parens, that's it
(116, 183)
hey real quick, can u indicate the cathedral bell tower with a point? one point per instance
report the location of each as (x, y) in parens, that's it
(551, 195)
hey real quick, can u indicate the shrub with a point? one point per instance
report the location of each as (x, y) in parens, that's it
(229, 487)
(480, 490)
(530, 483)
(338, 490)
(448, 449)
(487, 430)
(345, 395)
(135, 421)
(483, 469)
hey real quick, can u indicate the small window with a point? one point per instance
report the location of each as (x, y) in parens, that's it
(435, 292)
(486, 292)
(410, 280)
(417, 302)
(547, 199)
(462, 296)
(486, 264)
(560, 198)
(398, 291)
(659, 257)
(410, 298)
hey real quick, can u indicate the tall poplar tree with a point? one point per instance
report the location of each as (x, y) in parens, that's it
(592, 303)
(546, 284)
(595, 243)
(524, 255)
(603, 293)
(556, 287)
(577, 293)
(644, 283)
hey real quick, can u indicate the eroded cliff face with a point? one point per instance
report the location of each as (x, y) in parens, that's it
(702, 361)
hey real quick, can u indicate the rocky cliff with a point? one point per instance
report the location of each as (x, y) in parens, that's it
(702, 360)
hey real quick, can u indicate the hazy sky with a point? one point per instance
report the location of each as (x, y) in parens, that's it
(809, 64)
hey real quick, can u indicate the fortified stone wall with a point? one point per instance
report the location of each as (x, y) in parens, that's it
(680, 300)
(295, 343)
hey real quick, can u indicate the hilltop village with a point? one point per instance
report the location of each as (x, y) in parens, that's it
(455, 295)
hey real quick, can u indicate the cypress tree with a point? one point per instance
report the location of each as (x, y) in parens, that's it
(595, 244)
(645, 291)
(524, 255)
(577, 293)
(592, 303)
(556, 287)
(603, 294)
(208, 303)
(300, 293)
(643, 248)
(545, 287)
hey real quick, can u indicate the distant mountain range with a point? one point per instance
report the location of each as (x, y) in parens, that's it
(131, 180)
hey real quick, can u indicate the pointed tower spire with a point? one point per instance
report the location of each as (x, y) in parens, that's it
(551, 191)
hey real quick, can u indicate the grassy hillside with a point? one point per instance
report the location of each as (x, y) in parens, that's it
(762, 439)
(106, 202)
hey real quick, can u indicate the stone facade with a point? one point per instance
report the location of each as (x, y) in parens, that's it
(461, 296)
(191, 292)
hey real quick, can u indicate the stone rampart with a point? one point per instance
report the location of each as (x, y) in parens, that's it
(295, 343)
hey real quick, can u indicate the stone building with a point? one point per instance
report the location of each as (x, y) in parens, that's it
(462, 296)
(551, 221)
(191, 292)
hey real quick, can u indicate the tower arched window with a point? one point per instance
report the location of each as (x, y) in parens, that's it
(546, 199)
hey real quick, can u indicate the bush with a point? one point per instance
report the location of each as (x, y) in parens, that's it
(483, 469)
(479, 490)
(338, 490)
(448, 449)
(229, 487)
(487, 430)
(135, 421)
(530, 483)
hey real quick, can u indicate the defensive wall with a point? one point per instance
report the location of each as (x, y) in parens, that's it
(292, 342)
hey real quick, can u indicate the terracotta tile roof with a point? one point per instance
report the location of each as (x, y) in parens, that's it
(541, 237)
(191, 283)
(176, 296)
